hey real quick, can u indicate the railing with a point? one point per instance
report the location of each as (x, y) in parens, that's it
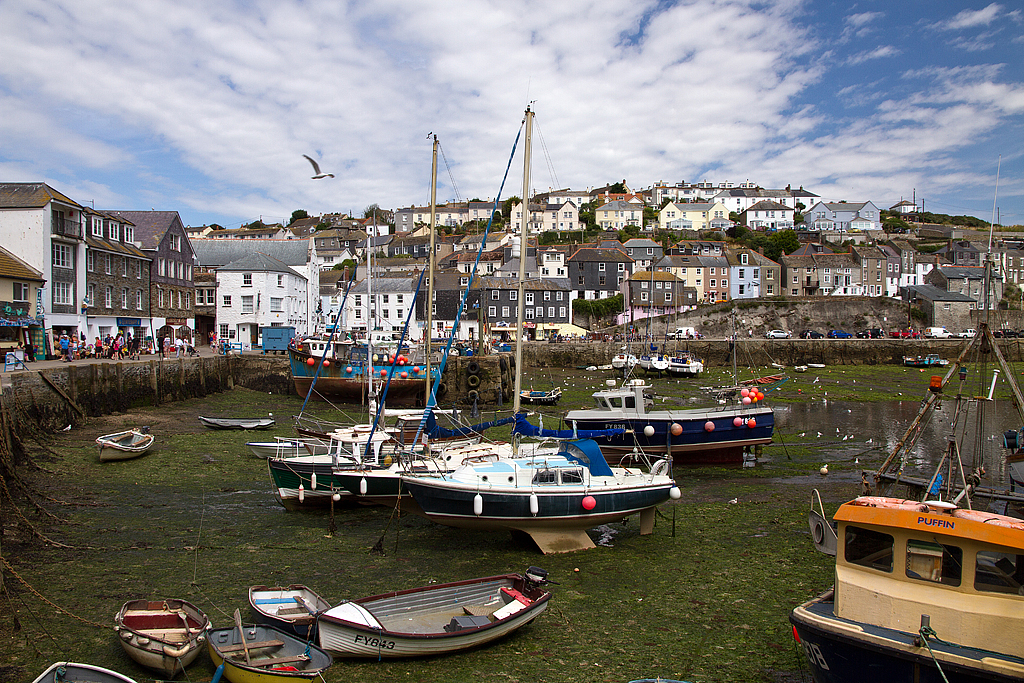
(65, 227)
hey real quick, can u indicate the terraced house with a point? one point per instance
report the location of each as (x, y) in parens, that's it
(117, 274)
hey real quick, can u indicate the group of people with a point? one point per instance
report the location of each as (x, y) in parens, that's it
(119, 347)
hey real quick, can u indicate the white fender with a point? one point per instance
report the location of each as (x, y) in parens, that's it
(478, 505)
(362, 486)
(534, 504)
(312, 481)
(177, 652)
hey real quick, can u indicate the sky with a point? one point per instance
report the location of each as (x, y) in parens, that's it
(206, 108)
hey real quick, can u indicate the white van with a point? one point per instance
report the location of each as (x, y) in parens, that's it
(685, 333)
(937, 333)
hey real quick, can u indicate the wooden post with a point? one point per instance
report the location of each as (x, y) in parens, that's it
(154, 382)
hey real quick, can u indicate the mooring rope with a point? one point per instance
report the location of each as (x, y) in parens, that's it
(48, 602)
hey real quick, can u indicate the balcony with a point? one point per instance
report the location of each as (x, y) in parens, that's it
(66, 228)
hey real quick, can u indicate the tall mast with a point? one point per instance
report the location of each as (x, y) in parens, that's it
(523, 236)
(430, 275)
(371, 397)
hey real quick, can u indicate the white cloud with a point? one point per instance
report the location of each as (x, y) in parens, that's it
(970, 18)
(880, 52)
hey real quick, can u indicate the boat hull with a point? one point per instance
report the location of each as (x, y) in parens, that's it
(288, 474)
(73, 672)
(305, 659)
(453, 505)
(286, 448)
(346, 382)
(291, 609)
(237, 423)
(695, 444)
(842, 651)
(124, 445)
(423, 612)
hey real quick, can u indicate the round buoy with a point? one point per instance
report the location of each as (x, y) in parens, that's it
(311, 362)
(401, 361)
(737, 421)
(404, 374)
(416, 369)
(746, 400)
(312, 481)
(534, 504)
(760, 396)
(478, 505)
(744, 392)
(751, 423)
(589, 503)
(302, 493)
(327, 363)
(674, 493)
(709, 426)
(649, 431)
(383, 373)
(676, 429)
(336, 497)
(362, 486)
(376, 358)
(824, 470)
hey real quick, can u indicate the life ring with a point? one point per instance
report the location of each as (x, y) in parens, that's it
(660, 467)
(473, 367)
(473, 395)
(473, 381)
(818, 531)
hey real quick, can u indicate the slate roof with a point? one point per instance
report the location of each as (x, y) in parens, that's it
(258, 262)
(212, 253)
(14, 268)
(150, 226)
(933, 293)
(31, 196)
(600, 254)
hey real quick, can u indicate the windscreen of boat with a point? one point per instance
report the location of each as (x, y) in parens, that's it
(935, 562)
(868, 548)
(587, 453)
(999, 572)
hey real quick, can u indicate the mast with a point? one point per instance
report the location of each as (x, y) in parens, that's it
(523, 236)
(371, 397)
(430, 275)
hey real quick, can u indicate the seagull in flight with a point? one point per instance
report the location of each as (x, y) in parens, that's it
(316, 169)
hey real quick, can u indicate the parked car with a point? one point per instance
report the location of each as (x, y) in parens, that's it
(1004, 334)
(777, 334)
(967, 334)
(871, 333)
(811, 334)
(838, 334)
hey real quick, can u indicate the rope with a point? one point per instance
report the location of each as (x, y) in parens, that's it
(48, 602)
(926, 632)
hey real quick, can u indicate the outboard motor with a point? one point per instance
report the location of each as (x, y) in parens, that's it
(535, 576)
(1011, 439)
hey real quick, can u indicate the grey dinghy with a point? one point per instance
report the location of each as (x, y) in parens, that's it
(237, 422)
(435, 619)
(71, 672)
(125, 445)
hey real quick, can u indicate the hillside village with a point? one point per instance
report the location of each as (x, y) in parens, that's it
(594, 259)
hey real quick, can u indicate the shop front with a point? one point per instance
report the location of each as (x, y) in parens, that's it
(19, 333)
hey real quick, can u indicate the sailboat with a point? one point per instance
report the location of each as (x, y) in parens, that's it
(554, 497)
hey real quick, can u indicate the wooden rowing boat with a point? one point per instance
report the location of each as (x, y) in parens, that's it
(125, 445)
(264, 654)
(165, 636)
(73, 672)
(434, 619)
(292, 609)
(237, 422)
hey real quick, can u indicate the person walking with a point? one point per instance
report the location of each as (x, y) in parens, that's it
(179, 347)
(65, 347)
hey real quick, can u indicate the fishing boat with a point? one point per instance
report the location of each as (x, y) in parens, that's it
(716, 434)
(685, 364)
(285, 447)
(125, 445)
(264, 654)
(343, 377)
(237, 422)
(165, 636)
(73, 672)
(928, 361)
(553, 498)
(624, 361)
(293, 609)
(924, 591)
(545, 398)
(434, 619)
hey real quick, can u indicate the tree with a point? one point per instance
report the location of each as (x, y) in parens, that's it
(372, 211)
(347, 263)
(506, 207)
(297, 215)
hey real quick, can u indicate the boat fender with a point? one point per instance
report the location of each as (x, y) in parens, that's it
(312, 481)
(362, 486)
(534, 504)
(473, 395)
(674, 493)
(177, 652)
(220, 672)
(478, 505)
(649, 429)
(473, 381)
(660, 467)
(142, 642)
(387, 461)
(302, 493)
(125, 635)
(442, 389)
(473, 367)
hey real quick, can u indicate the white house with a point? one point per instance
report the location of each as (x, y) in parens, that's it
(259, 291)
(392, 299)
(844, 216)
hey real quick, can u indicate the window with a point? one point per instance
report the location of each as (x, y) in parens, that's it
(227, 301)
(580, 282)
(399, 313)
(223, 331)
(247, 304)
(513, 295)
(725, 283)
(108, 297)
(540, 311)
(124, 267)
(934, 562)
(107, 258)
(622, 267)
(91, 294)
(90, 260)
(97, 227)
(559, 295)
(528, 313)
(161, 298)
(494, 295)
(529, 298)
(657, 285)
(61, 256)
(643, 285)
(62, 293)
(551, 311)
(711, 284)
(247, 279)
(276, 304)
(138, 299)
(600, 267)
(176, 242)
(162, 267)
(668, 297)
(868, 548)
(129, 233)
(124, 298)
(504, 312)
(561, 311)
(386, 312)
(492, 311)
(999, 572)
(643, 296)
(280, 280)
(115, 232)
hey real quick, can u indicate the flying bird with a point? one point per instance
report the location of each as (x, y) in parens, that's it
(316, 169)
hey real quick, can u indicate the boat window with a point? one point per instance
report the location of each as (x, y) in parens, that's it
(631, 401)
(999, 572)
(600, 403)
(868, 548)
(934, 562)
(615, 401)
(574, 476)
(545, 477)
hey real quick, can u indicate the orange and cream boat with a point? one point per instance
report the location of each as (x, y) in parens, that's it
(924, 591)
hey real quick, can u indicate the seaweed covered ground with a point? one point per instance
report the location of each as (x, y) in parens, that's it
(705, 598)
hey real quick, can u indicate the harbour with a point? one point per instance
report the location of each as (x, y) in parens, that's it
(705, 597)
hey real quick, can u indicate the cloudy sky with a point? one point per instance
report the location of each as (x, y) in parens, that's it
(207, 107)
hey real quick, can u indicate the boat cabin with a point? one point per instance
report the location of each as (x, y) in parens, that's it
(631, 397)
(899, 560)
